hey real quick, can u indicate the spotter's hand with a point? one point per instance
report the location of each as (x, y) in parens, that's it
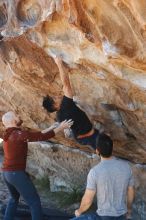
(66, 124)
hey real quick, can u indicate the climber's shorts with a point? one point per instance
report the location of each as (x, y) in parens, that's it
(91, 140)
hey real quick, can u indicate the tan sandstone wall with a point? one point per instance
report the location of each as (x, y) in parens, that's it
(103, 44)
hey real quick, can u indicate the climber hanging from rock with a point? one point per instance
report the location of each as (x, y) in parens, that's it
(82, 129)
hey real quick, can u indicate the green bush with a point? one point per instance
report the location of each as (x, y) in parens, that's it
(69, 198)
(42, 183)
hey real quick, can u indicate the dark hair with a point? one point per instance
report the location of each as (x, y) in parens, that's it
(104, 145)
(48, 104)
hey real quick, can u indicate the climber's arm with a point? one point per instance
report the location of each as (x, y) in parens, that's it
(64, 78)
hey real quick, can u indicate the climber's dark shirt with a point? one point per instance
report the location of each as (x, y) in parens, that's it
(69, 110)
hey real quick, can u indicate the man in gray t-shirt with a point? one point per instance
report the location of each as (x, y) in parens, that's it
(112, 182)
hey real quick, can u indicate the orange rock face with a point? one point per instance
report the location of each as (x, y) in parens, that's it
(103, 45)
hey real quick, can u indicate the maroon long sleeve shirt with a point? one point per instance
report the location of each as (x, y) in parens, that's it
(15, 146)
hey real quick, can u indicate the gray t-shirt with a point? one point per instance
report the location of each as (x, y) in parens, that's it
(110, 179)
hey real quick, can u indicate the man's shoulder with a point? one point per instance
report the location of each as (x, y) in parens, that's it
(96, 168)
(123, 166)
(117, 162)
(11, 133)
(122, 161)
(67, 99)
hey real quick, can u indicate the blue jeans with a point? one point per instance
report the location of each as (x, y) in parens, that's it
(94, 216)
(19, 183)
(91, 140)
